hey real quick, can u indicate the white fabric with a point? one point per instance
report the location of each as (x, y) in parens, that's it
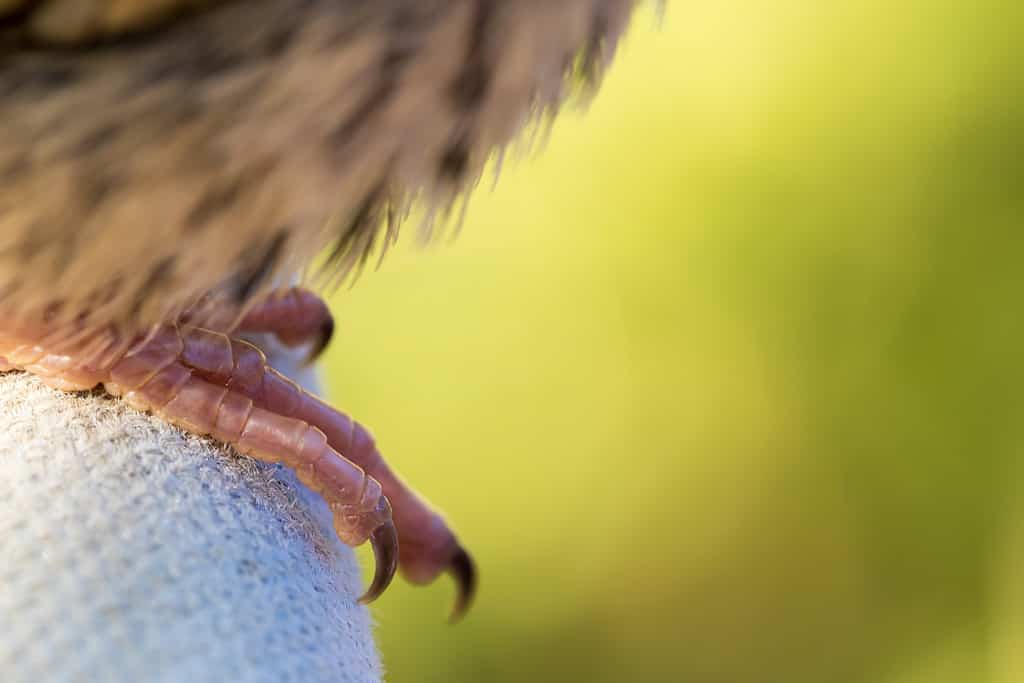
(130, 551)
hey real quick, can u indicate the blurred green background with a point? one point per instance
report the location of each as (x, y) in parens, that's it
(724, 382)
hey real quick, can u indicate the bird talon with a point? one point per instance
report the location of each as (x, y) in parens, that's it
(322, 339)
(385, 550)
(463, 570)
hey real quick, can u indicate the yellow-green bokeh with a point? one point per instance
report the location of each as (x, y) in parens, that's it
(723, 382)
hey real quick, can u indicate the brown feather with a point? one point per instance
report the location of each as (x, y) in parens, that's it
(196, 160)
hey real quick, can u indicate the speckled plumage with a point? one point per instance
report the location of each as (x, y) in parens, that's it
(196, 149)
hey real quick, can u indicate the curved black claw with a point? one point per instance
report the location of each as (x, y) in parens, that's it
(385, 551)
(463, 569)
(323, 338)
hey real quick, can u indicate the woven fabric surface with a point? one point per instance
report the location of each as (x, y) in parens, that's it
(130, 551)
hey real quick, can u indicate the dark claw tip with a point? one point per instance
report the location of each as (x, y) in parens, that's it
(463, 570)
(385, 550)
(323, 338)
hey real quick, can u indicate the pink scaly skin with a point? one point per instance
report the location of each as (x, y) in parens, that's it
(295, 316)
(209, 383)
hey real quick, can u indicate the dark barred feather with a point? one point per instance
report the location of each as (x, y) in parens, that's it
(181, 156)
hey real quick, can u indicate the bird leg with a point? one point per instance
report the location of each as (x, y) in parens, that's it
(212, 384)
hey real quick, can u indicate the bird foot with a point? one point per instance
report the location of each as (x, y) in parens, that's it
(211, 383)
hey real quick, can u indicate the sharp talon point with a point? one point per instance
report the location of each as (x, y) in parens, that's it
(463, 569)
(323, 338)
(385, 551)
